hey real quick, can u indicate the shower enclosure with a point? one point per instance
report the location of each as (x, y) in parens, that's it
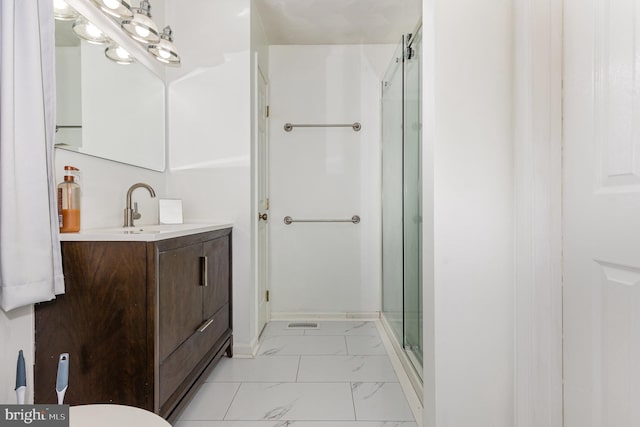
(401, 198)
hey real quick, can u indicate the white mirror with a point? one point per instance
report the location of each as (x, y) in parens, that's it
(105, 109)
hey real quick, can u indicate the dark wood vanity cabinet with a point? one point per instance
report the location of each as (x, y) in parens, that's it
(143, 322)
(194, 320)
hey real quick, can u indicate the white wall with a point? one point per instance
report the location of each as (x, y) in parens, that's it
(209, 133)
(538, 209)
(325, 173)
(469, 310)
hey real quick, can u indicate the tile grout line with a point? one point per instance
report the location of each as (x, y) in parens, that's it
(353, 402)
(298, 370)
(231, 403)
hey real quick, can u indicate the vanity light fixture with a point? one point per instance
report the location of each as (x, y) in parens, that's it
(141, 27)
(118, 54)
(117, 8)
(63, 12)
(89, 32)
(165, 51)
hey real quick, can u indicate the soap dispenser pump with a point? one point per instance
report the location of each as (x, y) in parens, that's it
(69, 201)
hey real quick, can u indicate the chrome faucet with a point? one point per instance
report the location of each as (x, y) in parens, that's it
(131, 214)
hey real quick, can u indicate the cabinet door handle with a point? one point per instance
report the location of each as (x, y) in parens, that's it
(204, 271)
(205, 325)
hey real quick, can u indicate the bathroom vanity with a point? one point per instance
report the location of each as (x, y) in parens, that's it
(146, 315)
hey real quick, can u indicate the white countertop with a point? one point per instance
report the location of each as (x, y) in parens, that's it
(142, 233)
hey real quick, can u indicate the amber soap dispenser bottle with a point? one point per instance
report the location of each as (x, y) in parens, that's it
(69, 201)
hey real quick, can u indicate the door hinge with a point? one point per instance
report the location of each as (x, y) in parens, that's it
(267, 296)
(267, 111)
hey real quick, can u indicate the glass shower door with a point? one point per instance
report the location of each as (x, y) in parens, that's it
(401, 198)
(412, 201)
(392, 235)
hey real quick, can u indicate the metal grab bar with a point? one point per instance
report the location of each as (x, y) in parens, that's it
(354, 219)
(288, 127)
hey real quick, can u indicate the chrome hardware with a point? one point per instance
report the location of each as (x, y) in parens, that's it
(205, 325)
(131, 214)
(410, 52)
(204, 271)
(262, 216)
(288, 127)
(354, 219)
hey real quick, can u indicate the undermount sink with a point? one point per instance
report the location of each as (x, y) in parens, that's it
(145, 233)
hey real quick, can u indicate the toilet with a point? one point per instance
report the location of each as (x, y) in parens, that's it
(112, 416)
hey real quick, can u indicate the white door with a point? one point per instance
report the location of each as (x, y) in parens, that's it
(601, 213)
(263, 200)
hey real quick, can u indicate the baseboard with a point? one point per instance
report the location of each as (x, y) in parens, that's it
(372, 315)
(246, 350)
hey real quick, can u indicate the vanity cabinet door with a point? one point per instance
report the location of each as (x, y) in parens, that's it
(180, 297)
(216, 293)
(101, 322)
(194, 285)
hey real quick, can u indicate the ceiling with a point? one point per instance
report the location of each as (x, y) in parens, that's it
(338, 21)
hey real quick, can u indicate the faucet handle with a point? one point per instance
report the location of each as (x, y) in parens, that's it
(136, 214)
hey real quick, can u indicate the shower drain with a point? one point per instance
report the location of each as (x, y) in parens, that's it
(303, 325)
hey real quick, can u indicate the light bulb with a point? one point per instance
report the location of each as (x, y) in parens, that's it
(111, 4)
(123, 54)
(118, 54)
(93, 31)
(142, 31)
(62, 11)
(165, 51)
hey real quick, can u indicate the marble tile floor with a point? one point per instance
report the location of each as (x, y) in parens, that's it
(338, 375)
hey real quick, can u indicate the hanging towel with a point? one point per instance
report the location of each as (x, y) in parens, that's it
(30, 260)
